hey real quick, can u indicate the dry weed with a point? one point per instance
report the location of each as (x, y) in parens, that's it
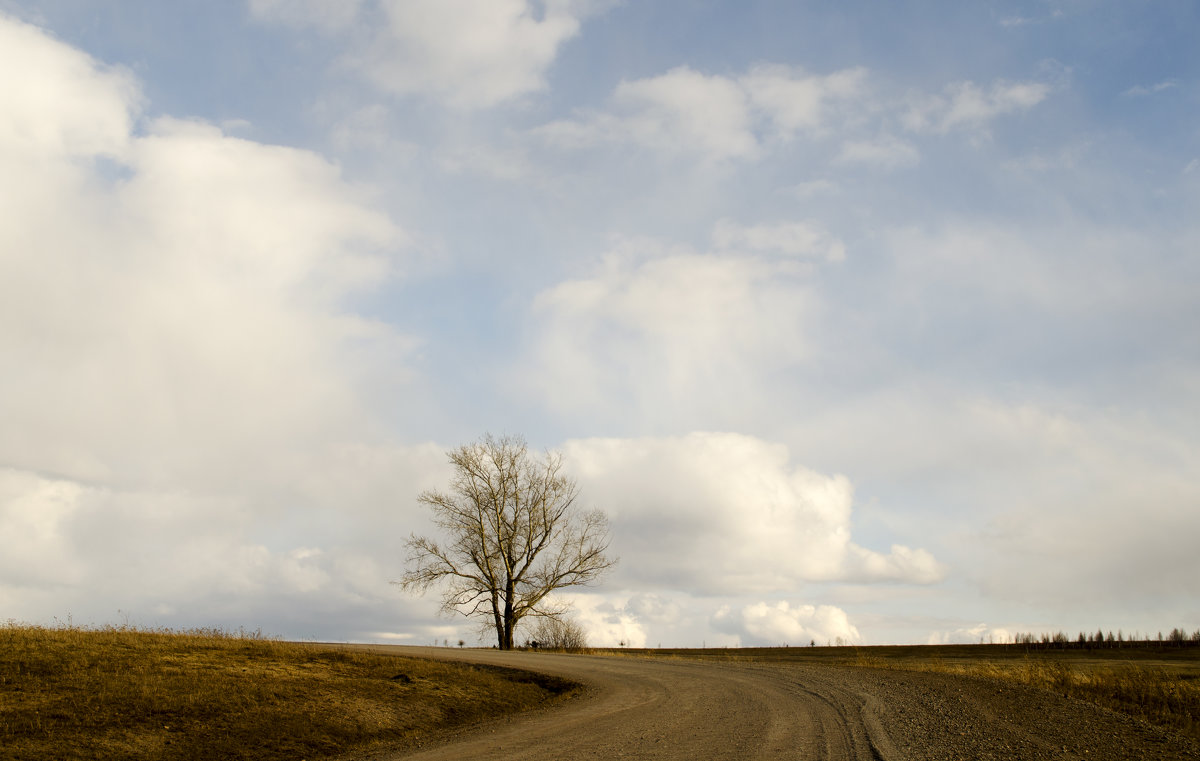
(74, 693)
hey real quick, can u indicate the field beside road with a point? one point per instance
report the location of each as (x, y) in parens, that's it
(75, 693)
(72, 693)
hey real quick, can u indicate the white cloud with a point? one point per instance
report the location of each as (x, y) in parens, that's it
(654, 608)
(717, 117)
(801, 239)
(676, 619)
(470, 52)
(1097, 499)
(965, 105)
(467, 53)
(814, 189)
(654, 329)
(197, 289)
(1009, 22)
(763, 624)
(1071, 268)
(1166, 84)
(181, 364)
(607, 622)
(725, 118)
(682, 110)
(712, 513)
(971, 635)
(59, 102)
(885, 151)
(793, 101)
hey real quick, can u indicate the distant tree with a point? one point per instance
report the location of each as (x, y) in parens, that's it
(514, 534)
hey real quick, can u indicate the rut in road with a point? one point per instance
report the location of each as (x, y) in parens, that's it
(698, 710)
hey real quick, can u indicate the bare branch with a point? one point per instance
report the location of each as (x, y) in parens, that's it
(513, 536)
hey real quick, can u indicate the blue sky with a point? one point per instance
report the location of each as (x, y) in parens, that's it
(862, 321)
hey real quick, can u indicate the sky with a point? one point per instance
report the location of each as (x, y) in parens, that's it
(863, 322)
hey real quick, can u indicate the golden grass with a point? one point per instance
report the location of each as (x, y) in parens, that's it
(76, 693)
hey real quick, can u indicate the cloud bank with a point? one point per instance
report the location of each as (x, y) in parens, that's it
(713, 514)
(178, 353)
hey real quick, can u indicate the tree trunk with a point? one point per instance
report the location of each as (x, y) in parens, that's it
(509, 623)
(499, 621)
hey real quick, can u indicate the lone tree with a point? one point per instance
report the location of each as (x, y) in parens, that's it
(513, 534)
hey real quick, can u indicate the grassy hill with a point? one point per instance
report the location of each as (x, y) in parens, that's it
(75, 693)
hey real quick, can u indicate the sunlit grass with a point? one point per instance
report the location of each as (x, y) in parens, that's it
(118, 692)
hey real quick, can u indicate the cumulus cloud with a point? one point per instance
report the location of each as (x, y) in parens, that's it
(764, 624)
(720, 118)
(713, 513)
(467, 53)
(714, 116)
(680, 110)
(196, 288)
(180, 354)
(794, 102)
(706, 323)
(59, 102)
(608, 622)
(1093, 498)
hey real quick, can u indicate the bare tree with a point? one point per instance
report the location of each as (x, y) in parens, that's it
(559, 633)
(513, 534)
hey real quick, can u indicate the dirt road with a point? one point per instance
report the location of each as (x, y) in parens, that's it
(696, 711)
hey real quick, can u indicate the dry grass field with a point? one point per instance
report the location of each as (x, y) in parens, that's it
(1157, 682)
(81, 693)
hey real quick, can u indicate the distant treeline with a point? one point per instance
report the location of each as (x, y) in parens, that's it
(1099, 639)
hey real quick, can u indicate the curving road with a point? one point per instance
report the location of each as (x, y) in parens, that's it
(695, 711)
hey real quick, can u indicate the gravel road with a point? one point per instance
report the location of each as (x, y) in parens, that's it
(695, 711)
